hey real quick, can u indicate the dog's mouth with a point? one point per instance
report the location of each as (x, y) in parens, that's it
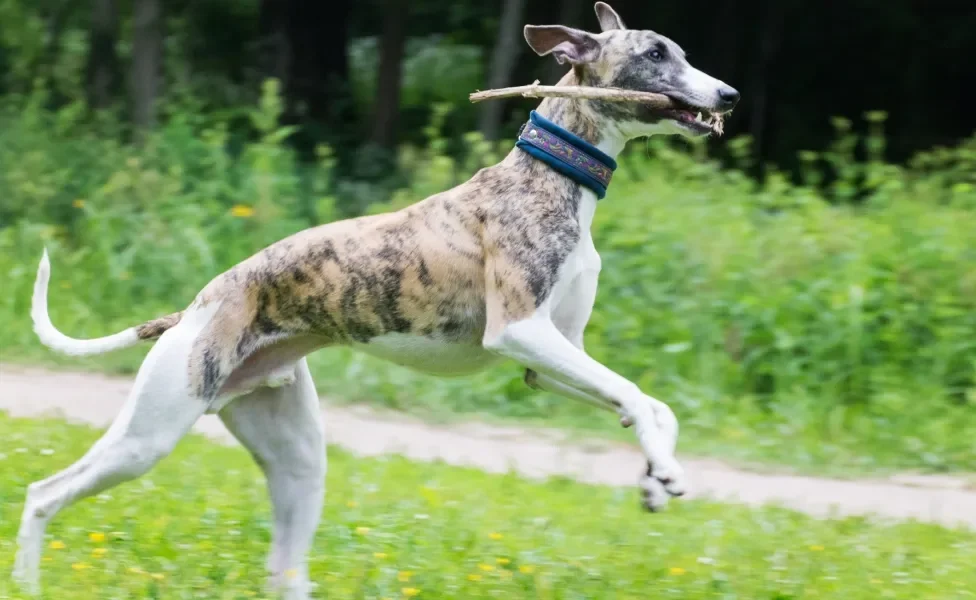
(701, 121)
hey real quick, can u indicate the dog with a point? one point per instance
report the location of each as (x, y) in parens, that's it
(500, 267)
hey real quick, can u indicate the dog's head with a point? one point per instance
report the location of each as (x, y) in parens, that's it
(640, 60)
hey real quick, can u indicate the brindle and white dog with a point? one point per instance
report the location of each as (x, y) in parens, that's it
(500, 267)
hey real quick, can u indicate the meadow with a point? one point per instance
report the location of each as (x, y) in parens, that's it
(198, 526)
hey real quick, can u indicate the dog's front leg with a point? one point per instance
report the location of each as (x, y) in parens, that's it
(537, 344)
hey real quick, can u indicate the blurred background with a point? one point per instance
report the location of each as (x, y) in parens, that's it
(810, 277)
(801, 291)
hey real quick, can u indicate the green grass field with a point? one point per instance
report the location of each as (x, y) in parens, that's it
(197, 527)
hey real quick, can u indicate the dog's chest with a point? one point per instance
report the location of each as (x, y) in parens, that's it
(432, 355)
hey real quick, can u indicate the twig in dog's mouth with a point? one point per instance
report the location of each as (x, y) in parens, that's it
(715, 122)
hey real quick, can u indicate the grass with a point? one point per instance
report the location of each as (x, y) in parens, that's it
(197, 527)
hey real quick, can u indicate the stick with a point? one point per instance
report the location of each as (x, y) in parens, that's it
(574, 91)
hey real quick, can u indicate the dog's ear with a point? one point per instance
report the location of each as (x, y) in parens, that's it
(609, 19)
(568, 45)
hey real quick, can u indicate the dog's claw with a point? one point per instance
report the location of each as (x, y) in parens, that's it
(626, 422)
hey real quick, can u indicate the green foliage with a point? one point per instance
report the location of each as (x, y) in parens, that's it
(199, 525)
(779, 325)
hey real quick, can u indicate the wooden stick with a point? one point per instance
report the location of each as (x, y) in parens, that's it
(574, 91)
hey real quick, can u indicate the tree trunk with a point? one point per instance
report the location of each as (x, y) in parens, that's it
(147, 58)
(102, 75)
(769, 41)
(316, 65)
(507, 48)
(387, 105)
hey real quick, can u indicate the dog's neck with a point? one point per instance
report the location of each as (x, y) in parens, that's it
(578, 118)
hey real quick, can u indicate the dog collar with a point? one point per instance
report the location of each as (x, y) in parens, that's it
(567, 153)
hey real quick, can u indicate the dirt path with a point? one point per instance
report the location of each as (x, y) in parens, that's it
(96, 399)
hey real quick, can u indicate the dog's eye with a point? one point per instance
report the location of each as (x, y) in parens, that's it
(656, 55)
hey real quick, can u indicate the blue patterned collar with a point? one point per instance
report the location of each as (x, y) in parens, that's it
(567, 153)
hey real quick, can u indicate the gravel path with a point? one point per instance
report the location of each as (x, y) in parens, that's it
(95, 400)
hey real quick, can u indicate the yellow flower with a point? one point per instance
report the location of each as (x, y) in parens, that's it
(495, 536)
(99, 551)
(876, 581)
(242, 211)
(484, 567)
(404, 576)
(351, 504)
(677, 571)
(474, 577)
(362, 530)
(57, 545)
(79, 203)
(136, 570)
(96, 537)
(409, 592)
(158, 576)
(379, 555)
(503, 561)
(291, 573)
(79, 566)
(527, 569)
(816, 548)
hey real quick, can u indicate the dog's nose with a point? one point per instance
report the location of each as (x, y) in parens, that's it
(729, 96)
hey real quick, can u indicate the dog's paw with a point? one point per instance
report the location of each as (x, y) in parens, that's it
(661, 482)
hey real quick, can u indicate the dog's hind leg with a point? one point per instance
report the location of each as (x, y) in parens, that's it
(282, 429)
(160, 409)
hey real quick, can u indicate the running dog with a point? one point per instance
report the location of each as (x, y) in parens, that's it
(502, 266)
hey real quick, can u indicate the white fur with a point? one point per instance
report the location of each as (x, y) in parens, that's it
(550, 342)
(51, 337)
(701, 88)
(282, 428)
(429, 356)
(159, 411)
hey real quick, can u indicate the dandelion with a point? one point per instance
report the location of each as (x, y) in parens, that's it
(79, 566)
(484, 567)
(79, 203)
(136, 570)
(677, 571)
(57, 545)
(474, 577)
(410, 592)
(379, 555)
(527, 569)
(97, 552)
(362, 530)
(495, 535)
(96, 537)
(816, 548)
(503, 561)
(242, 211)
(351, 504)
(158, 576)
(404, 576)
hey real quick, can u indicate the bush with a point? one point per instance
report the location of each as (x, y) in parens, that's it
(817, 323)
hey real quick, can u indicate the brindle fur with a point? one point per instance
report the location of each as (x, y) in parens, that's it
(502, 264)
(423, 270)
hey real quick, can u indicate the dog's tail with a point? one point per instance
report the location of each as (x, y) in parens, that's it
(54, 339)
